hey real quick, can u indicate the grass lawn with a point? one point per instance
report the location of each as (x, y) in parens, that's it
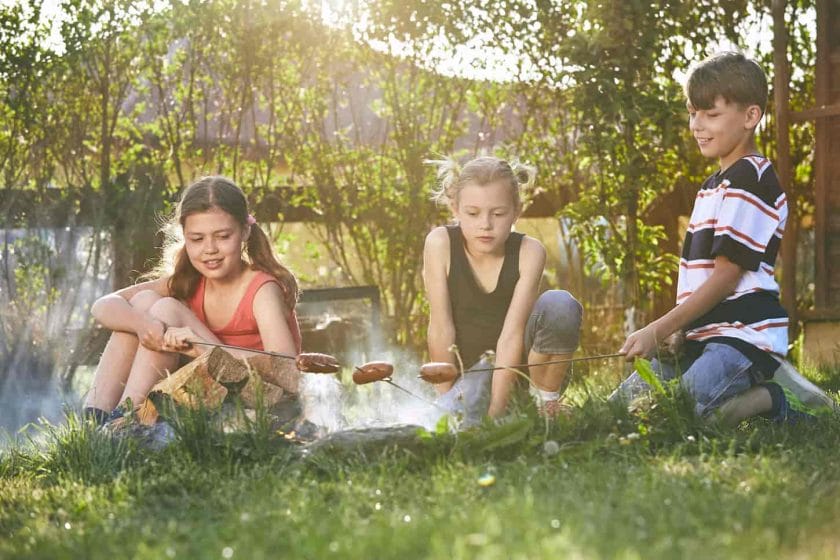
(608, 484)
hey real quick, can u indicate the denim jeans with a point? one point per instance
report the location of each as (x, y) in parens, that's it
(719, 373)
(553, 328)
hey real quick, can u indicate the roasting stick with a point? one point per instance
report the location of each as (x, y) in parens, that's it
(565, 361)
(445, 372)
(381, 371)
(233, 347)
(308, 362)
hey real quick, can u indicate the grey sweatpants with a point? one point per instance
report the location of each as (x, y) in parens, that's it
(553, 328)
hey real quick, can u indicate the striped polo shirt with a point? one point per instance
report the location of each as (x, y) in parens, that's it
(739, 213)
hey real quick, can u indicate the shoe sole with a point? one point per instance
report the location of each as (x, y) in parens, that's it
(812, 397)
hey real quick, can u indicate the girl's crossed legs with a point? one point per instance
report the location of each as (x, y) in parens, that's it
(127, 369)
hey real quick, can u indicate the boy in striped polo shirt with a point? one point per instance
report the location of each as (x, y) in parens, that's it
(727, 298)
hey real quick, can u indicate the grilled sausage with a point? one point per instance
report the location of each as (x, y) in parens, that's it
(372, 371)
(438, 372)
(312, 362)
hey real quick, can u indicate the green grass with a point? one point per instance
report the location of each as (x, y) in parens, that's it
(652, 484)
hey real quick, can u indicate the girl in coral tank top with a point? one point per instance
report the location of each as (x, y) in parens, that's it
(224, 284)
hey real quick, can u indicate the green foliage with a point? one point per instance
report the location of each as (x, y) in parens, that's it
(141, 98)
(643, 367)
(75, 450)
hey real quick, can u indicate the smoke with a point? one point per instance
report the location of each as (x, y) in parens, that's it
(340, 404)
(48, 279)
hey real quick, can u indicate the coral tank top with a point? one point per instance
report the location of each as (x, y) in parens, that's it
(242, 329)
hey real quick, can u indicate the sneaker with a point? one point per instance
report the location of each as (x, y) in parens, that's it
(791, 410)
(95, 415)
(806, 396)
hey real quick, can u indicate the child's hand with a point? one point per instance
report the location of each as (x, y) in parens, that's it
(640, 343)
(179, 339)
(151, 336)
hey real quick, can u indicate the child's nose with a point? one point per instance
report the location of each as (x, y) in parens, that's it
(696, 123)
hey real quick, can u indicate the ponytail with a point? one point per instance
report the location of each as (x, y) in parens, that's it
(484, 170)
(262, 258)
(185, 278)
(448, 174)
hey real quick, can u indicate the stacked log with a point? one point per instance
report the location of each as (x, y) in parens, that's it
(207, 381)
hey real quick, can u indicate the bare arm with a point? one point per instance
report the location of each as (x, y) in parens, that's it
(509, 348)
(114, 311)
(441, 333)
(719, 286)
(271, 312)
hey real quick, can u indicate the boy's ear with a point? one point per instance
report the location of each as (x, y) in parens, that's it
(754, 114)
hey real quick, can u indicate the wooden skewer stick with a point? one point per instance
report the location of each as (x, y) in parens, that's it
(233, 347)
(565, 361)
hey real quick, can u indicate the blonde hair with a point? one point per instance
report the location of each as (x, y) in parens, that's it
(206, 194)
(484, 170)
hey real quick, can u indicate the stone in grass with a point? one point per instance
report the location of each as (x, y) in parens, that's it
(368, 442)
(154, 437)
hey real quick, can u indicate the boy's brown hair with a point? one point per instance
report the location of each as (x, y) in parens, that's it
(731, 75)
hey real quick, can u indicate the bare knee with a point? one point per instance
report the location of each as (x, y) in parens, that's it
(169, 310)
(144, 300)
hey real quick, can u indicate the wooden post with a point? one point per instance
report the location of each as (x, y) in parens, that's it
(821, 95)
(781, 97)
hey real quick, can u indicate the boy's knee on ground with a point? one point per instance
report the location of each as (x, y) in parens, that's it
(720, 373)
(555, 323)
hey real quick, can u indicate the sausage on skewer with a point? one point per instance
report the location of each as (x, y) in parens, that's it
(372, 371)
(438, 372)
(313, 362)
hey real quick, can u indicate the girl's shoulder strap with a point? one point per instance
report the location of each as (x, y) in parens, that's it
(456, 245)
(260, 278)
(512, 248)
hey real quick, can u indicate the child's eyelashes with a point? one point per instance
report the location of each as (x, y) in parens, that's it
(197, 239)
(497, 214)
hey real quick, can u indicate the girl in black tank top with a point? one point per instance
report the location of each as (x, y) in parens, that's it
(479, 316)
(482, 280)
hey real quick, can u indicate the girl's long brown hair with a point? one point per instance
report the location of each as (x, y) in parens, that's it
(220, 192)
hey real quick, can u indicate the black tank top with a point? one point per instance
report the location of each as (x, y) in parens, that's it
(479, 316)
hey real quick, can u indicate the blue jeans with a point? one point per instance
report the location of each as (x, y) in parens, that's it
(718, 374)
(553, 328)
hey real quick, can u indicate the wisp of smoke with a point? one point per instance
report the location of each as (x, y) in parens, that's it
(339, 405)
